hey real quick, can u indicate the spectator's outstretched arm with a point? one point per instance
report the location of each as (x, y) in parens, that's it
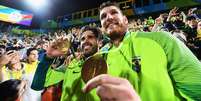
(183, 16)
(40, 74)
(172, 13)
(55, 49)
(191, 11)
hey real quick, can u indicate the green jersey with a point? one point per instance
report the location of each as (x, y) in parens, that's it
(166, 70)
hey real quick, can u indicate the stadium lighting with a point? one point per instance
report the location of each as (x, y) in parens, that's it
(37, 5)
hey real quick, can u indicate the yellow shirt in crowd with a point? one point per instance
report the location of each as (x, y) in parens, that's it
(26, 70)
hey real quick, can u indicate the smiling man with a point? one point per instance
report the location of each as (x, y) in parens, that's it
(72, 84)
(163, 68)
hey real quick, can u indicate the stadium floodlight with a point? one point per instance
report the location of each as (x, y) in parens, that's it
(37, 5)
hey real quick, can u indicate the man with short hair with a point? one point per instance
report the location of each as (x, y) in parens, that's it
(163, 68)
(191, 21)
(72, 83)
(191, 27)
(31, 65)
(32, 55)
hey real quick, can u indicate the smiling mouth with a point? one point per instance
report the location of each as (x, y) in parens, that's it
(111, 24)
(87, 46)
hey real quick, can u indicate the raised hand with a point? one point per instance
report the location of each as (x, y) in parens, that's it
(158, 21)
(191, 11)
(173, 11)
(58, 47)
(5, 58)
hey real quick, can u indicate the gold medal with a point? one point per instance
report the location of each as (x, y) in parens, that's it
(93, 67)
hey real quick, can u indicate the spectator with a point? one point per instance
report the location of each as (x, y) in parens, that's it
(12, 90)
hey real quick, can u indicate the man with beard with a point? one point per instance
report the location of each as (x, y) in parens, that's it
(72, 83)
(164, 68)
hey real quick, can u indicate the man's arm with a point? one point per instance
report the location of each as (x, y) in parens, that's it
(40, 74)
(183, 67)
(52, 52)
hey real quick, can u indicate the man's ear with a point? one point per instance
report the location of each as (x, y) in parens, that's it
(103, 30)
(125, 19)
(100, 44)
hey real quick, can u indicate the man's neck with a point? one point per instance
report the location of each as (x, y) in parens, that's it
(31, 62)
(116, 41)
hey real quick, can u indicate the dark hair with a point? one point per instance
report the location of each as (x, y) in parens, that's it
(3, 46)
(191, 17)
(96, 31)
(179, 24)
(9, 90)
(14, 41)
(107, 4)
(41, 42)
(29, 51)
(12, 48)
(168, 27)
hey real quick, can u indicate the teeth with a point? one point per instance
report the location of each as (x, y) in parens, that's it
(87, 46)
(112, 24)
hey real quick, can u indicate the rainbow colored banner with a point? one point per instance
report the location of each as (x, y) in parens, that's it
(15, 16)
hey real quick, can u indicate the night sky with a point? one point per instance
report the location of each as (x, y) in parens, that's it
(56, 7)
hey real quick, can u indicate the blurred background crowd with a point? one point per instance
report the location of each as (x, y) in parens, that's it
(186, 26)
